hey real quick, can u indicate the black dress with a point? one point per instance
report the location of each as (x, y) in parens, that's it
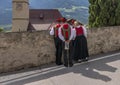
(80, 48)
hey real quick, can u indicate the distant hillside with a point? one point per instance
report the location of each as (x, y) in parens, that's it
(6, 27)
(77, 9)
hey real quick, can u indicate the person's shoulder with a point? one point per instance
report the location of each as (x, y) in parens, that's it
(84, 27)
(57, 25)
(65, 25)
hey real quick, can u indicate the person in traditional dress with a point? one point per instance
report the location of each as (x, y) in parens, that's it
(71, 23)
(58, 42)
(80, 44)
(66, 34)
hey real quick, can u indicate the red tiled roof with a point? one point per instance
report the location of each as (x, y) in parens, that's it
(41, 19)
(47, 14)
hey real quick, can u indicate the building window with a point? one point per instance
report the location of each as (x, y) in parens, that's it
(41, 16)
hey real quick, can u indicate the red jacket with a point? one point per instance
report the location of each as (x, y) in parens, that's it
(66, 31)
(57, 26)
(79, 31)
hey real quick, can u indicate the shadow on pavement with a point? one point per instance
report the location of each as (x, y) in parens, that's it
(87, 69)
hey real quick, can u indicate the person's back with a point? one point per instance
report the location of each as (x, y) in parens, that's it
(66, 34)
(58, 43)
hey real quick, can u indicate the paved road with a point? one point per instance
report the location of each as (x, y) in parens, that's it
(101, 70)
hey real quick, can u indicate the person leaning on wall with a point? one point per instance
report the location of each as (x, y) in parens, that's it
(80, 43)
(66, 34)
(57, 41)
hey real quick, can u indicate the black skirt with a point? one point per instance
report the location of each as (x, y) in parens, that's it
(80, 48)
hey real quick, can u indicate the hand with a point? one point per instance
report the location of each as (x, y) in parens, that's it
(67, 40)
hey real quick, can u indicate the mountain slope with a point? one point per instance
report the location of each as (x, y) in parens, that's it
(77, 9)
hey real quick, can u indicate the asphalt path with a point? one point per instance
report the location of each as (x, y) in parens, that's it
(103, 69)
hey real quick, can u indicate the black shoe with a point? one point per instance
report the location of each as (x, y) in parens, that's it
(78, 61)
(66, 65)
(59, 63)
(75, 61)
(84, 60)
(71, 64)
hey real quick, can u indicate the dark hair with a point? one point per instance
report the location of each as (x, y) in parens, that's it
(63, 19)
(71, 21)
(58, 20)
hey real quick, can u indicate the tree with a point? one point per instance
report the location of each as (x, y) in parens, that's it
(117, 14)
(1, 29)
(104, 13)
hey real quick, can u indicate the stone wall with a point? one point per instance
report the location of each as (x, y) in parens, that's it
(105, 39)
(25, 49)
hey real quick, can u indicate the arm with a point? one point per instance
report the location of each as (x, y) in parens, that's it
(60, 34)
(52, 31)
(72, 36)
(85, 31)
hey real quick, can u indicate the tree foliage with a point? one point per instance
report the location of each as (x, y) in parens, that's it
(104, 13)
(1, 29)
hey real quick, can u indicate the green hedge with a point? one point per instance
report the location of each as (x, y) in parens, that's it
(104, 13)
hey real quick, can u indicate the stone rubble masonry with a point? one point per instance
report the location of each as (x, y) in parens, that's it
(30, 49)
